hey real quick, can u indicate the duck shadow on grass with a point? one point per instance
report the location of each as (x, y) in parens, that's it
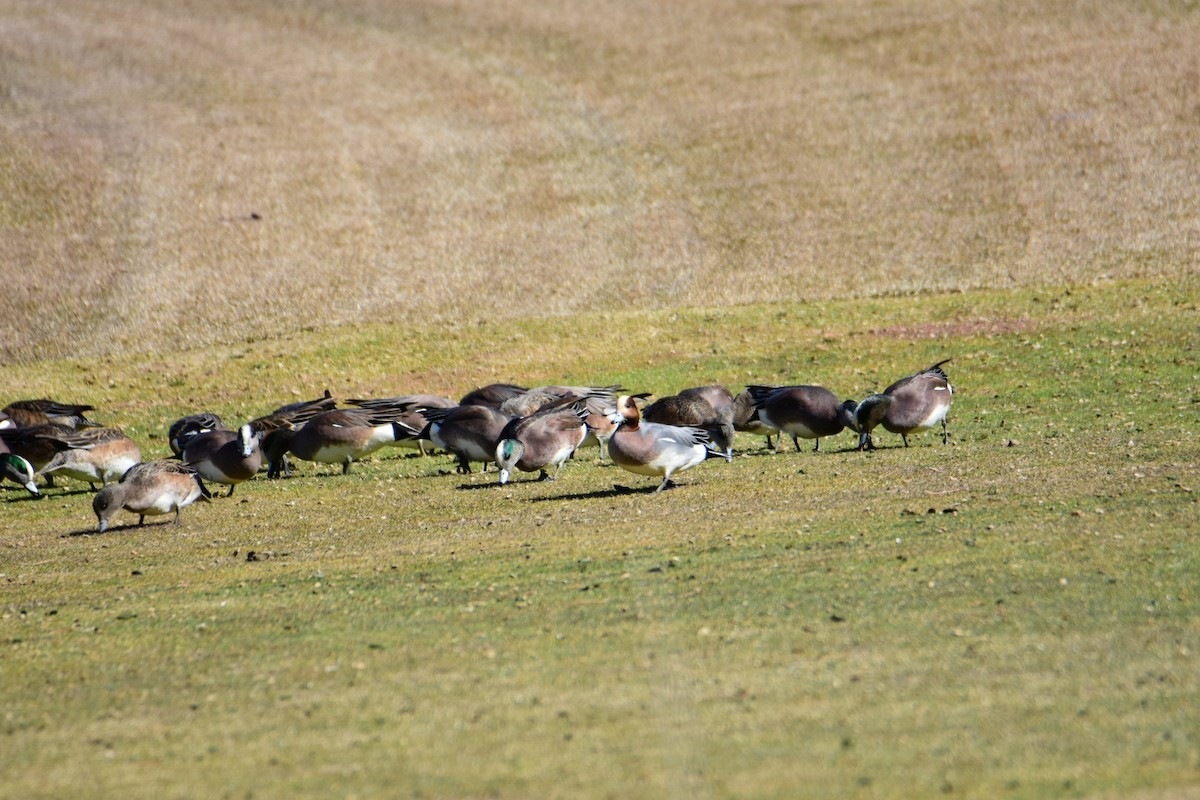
(26, 497)
(791, 451)
(118, 528)
(617, 490)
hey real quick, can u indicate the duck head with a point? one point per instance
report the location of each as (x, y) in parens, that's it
(626, 412)
(847, 415)
(508, 453)
(107, 502)
(17, 469)
(867, 415)
(248, 439)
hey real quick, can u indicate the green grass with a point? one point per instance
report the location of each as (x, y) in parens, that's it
(1014, 615)
(230, 206)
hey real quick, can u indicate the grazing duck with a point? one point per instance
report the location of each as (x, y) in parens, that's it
(692, 408)
(803, 412)
(277, 428)
(650, 448)
(110, 456)
(345, 435)
(225, 457)
(185, 428)
(540, 440)
(747, 420)
(910, 405)
(16, 469)
(469, 432)
(493, 395)
(28, 413)
(149, 488)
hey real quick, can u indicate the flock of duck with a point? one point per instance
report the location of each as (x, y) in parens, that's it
(517, 428)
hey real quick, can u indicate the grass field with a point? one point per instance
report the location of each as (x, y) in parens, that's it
(1013, 615)
(230, 206)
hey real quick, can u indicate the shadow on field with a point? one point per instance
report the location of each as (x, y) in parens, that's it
(616, 491)
(468, 487)
(791, 451)
(118, 528)
(24, 494)
(24, 497)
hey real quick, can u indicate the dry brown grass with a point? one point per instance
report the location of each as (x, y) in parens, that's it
(177, 173)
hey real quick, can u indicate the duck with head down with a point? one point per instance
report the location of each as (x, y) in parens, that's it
(652, 448)
(803, 412)
(911, 405)
(468, 432)
(151, 487)
(16, 469)
(540, 440)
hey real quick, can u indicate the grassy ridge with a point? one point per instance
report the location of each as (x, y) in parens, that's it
(1014, 615)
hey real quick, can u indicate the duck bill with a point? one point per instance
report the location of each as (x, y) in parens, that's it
(503, 476)
(33, 489)
(864, 441)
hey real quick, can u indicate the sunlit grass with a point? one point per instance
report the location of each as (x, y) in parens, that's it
(1012, 615)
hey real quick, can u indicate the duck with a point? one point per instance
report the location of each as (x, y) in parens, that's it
(469, 432)
(28, 413)
(110, 456)
(747, 420)
(277, 428)
(17, 469)
(225, 457)
(543, 439)
(803, 412)
(914, 404)
(650, 448)
(185, 428)
(693, 408)
(345, 435)
(149, 488)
